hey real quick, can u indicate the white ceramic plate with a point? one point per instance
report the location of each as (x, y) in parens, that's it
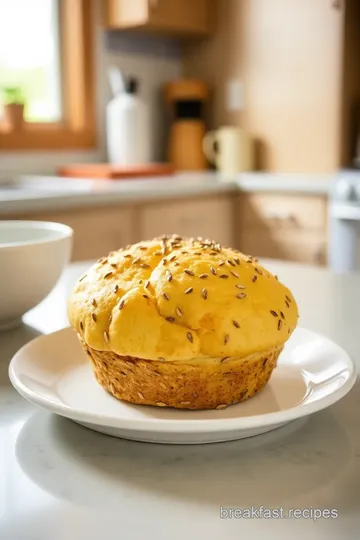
(53, 371)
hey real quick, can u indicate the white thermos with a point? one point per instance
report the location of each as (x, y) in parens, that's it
(127, 123)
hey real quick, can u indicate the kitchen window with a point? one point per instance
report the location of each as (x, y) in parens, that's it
(46, 74)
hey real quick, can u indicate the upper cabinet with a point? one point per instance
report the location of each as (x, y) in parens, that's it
(178, 17)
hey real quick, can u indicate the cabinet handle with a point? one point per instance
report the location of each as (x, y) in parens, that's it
(281, 216)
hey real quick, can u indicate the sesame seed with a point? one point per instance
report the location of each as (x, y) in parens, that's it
(183, 252)
(158, 253)
(146, 297)
(121, 304)
(254, 279)
(213, 271)
(237, 261)
(136, 260)
(83, 277)
(189, 290)
(170, 319)
(236, 324)
(172, 258)
(94, 318)
(178, 312)
(239, 286)
(81, 325)
(140, 395)
(273, 313)
(106, 337)
(259, 271)
(197, 253)
(189, 272)
(127, 256)
(226, 339)
(279, 324)
(230, 262)
(116, 288)
(108, 274)
(190, 337)
(144, 265)
(165, 296)
(234, 274)
(203, 276)
(287, 303)
(221, 263)
(114, 265)
(282, 315)
(94, 303)
(143, 248)
(224, 276)
(240, 296)
(161, 404)
(185, 402)
(222, 406)
(168, 275)
(104, 261)
(204, 294)
(225, 359)
(288, 298)
(147, 284)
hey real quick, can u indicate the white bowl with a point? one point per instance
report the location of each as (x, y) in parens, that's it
(33, 255)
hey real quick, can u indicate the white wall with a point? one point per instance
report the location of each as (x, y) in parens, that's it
(153, 61)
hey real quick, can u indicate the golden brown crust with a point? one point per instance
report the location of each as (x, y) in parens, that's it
(205, 384)
(178, 299)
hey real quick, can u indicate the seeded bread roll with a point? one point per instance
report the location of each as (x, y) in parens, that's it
(181, 323)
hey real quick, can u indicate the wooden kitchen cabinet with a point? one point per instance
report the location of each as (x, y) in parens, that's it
(96, 230)
(210, 217)
(287, 227)
(187, 17)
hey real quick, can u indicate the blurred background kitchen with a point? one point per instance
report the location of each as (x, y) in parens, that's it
(237, 120)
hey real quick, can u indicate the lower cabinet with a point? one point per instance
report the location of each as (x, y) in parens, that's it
(209, 217)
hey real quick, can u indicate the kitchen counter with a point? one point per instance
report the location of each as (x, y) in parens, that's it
(60, 481)
(46, 193)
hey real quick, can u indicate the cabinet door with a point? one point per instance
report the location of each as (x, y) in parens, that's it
(180, 15)
(125, 14)
(170, 16)
(210, 218)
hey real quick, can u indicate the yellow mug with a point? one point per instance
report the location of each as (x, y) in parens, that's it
(230, 149)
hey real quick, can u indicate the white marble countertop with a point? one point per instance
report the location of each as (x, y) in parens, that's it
(58, 193)
(60, 481)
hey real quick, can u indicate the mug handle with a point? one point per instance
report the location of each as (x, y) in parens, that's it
(209, 146)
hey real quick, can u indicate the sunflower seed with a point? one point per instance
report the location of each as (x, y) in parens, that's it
(236, 324)
(203, 276)
(254, 279)
(161, 404)
(81, 325)
(234, 274)
(259, 271)
(121, 304)
(146, 297)
(116, 288)
(166, 296)
(221, 263)
(282, 315)
(108, 274)
(273, 313)
(189, 290)
(230, 262)
(144, 265)
(237, 261)
(190, 337)
(279, 324)
(213, 271)
(226, 359)
(94, 318)
(106, 336)
(224, 276)
(240, 296)
(204, 294)
(170, 319)
(240, 286)
(94, 303)
(189, 272)
(178, 312)
(226, 339)
(168, 275)
(147, 284)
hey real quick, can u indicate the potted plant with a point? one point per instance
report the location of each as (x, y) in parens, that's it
(13, 106)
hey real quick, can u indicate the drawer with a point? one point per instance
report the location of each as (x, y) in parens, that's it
(303, 246)
(210, 218)
(268, 211)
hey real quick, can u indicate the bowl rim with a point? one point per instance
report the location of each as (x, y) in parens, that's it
(51, 226)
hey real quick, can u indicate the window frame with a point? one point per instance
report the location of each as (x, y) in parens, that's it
(76, 129)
